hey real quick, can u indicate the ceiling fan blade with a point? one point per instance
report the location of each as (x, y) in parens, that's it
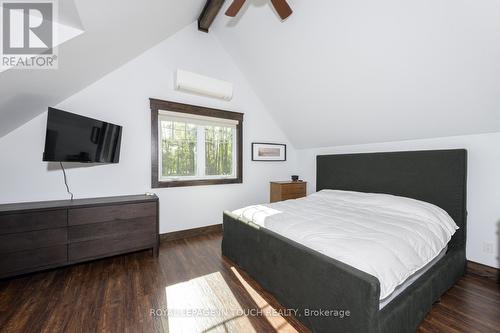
(234, 8)
(282, 8)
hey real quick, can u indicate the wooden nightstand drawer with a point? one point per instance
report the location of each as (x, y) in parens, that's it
(294, 188)
(288, 190)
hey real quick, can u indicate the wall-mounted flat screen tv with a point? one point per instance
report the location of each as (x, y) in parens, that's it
(74, 138)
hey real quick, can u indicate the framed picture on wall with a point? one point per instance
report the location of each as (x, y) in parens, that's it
(268, 152)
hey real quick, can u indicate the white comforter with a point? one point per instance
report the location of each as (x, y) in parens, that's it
(387, 236)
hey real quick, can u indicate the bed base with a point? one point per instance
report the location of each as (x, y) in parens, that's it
(303, 279)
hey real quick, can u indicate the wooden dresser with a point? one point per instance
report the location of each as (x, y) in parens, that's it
(288, 190)
(40, 235)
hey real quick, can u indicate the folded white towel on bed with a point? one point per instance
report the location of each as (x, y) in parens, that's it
(387, 236)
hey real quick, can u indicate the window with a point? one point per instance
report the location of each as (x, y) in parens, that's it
(193, 145)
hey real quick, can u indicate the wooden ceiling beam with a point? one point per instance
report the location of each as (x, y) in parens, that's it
(207, 16)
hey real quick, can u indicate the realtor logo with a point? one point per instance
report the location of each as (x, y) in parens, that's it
(28, 34)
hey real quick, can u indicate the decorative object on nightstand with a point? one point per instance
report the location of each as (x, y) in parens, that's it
(288, 190)
(295, 178)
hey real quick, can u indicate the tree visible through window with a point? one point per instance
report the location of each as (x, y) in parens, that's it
(218, 150)
(178, 148)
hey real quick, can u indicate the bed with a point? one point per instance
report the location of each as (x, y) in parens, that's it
(323, 288)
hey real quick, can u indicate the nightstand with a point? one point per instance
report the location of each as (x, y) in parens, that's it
(288, 190)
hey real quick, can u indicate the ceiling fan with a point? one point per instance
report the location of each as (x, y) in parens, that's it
(281, 6)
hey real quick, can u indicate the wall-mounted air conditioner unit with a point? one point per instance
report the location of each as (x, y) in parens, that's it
(204, 85)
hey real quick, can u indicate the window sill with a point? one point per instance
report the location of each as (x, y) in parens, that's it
(197, 182)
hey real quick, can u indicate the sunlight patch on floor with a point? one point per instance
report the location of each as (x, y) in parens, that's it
(279, 323)
(205, 304)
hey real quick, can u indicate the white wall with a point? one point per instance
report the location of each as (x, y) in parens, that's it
(349, 64)
(483, 195)
(122, 97)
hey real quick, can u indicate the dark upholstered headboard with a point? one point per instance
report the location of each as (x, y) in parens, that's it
(435, 176)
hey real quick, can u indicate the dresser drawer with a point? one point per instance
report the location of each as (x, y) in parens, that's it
(85, 232)
(20, 222)
(109, 246)
(80, 216)
(32, 240)
(19, 262)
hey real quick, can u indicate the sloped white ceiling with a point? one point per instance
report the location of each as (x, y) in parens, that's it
(115, 31)
(343, 72)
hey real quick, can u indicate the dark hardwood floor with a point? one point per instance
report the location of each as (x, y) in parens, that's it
(118, 295)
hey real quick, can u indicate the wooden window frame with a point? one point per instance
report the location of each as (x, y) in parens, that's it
(156, 106)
